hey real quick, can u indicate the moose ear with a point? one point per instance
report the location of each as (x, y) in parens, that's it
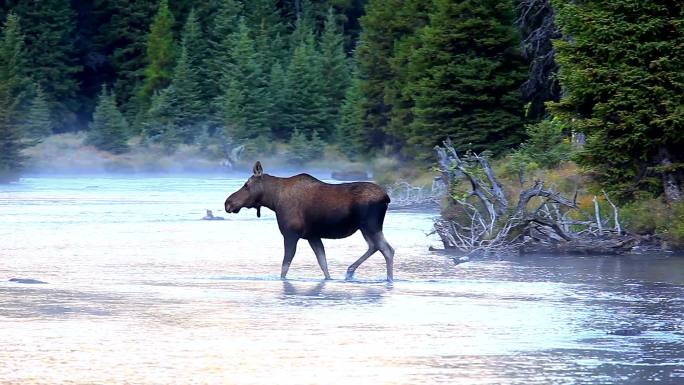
(258, 170)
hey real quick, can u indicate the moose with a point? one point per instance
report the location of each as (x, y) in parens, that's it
(307, 208)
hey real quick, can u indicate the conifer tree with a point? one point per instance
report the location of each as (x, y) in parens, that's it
(305, 107)
(160, 118)
(195, 45)
(160, 54)
(277, 93)
(48, 26)
(12, 82)
(352, 134)
(109, 129)
(123, 40)
(623, 72)
(470, 72)
(245, 105)
(385, 23)
(334, 68)
(220, 43)
(266, 29)
(37, 123)
(188, 104)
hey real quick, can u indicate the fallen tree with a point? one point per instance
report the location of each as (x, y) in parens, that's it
(484, 220)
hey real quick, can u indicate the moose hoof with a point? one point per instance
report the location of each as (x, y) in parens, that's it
(350, 276)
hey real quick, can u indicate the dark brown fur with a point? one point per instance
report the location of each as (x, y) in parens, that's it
(307, 208)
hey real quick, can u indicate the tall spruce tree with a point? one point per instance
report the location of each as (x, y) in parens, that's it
(12, 92)
(161, 54)
(353, 136)
(122, 38)
(305, 106)
(277, 93)
(220, 43)
(188, 103)
(266, 29)
(470, 71)
(334, 68)
(623, 73)
(245, 105)
(37, 123)
(194, 42)
(48, 26)
(384, 24)
(109, 128)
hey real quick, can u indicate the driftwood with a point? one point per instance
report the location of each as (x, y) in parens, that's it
(484, 220)
(405, 196)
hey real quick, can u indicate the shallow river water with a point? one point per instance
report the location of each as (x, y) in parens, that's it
(140, 291)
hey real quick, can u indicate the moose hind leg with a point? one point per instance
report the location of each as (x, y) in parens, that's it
(319, 250)
(387, 252)
(371, 249)
(290, 249)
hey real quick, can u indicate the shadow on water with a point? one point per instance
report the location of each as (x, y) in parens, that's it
(338, 291)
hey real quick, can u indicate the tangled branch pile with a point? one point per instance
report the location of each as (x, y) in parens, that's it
(484, 220)
(406, 196)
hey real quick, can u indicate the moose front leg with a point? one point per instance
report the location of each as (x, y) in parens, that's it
(290, 249)
(319, 250)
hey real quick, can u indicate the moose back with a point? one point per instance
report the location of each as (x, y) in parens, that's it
(307, 208)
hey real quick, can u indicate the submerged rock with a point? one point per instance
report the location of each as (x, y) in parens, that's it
(626, 332)
(27, 280)
(210, 217)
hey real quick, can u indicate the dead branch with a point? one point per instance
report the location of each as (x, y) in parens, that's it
(485, 224)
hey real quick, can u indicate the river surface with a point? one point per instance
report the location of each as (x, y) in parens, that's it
(140, 291)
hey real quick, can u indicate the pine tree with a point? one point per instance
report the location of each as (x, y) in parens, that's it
(195, 45)
(245, 105)
(623, 72)
(385, 23)
(109, 129)
(470, 72)
(305, 107)
(415, 15)
(37, 123)
(352, 134)
(123, 39)
(277, 94)
(220, 43)
(48, 26)
(12, 83)
(160, 118)
(266, 29)
(334, 68)
(189, 106)
(160, 54)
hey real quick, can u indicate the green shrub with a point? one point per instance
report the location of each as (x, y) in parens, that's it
(655, 216)
(547, 147)
(303, 150)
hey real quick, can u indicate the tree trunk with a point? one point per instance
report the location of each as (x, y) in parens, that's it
(671, 187)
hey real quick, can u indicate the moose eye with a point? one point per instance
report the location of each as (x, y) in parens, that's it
(246, 186)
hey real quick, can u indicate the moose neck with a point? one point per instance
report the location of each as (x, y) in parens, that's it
(271, 193)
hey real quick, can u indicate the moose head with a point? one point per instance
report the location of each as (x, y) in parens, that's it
(250, 195)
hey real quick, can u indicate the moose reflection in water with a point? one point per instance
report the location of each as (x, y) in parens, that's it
(309, 209)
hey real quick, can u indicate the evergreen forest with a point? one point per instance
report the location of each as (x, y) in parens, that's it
(599, 83)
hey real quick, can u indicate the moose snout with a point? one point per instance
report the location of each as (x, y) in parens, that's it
(227, 206)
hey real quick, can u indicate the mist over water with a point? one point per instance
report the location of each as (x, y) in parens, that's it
(139, 290)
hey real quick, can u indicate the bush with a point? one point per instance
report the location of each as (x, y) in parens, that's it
(655, 216)
(303, 150)
(547, 147)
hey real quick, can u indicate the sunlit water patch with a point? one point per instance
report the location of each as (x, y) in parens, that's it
(139, 290)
